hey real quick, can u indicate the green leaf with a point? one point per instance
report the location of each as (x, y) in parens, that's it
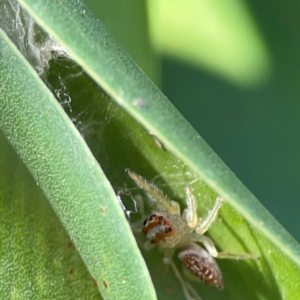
(120, 18)
(176, 153)
(63, 166)
(38, 259)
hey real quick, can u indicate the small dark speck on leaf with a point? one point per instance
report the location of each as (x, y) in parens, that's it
(71, 272)
(102, 209)
(105, 284)
(96, 283)
(70, 244)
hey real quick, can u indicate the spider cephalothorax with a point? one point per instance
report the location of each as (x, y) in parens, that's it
(166, 230)
(158, 229)
(170, 230)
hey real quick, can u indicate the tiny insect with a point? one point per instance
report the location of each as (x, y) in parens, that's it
(169, 230)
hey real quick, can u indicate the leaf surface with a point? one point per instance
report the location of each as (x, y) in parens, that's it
(179, 157)
(63, 166)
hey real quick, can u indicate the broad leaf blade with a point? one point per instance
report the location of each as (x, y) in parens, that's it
(127, 22)
(38, 259)
(70, 177)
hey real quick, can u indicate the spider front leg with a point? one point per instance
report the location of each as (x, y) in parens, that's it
(188, 291)
(157, 198)
(191, 213)
(202, 226)
(205, 224)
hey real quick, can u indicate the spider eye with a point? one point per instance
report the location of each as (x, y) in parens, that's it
(169, 229)
(152, 217)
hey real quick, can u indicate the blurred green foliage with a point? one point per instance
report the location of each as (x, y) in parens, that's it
(218, 35)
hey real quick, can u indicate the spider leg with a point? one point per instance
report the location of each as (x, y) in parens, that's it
(205, 224)
(191, 212)
(189, 292)
(148, 246)
(230, 255)
(155, 195)
(193, 292)
(207, 243)
(211, 249)
(136, 226)
(168, 254)
(139, 204)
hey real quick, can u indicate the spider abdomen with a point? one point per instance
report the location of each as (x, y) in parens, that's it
(201, 264)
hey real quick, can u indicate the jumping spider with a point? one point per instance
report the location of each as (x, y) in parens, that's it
(167, 229)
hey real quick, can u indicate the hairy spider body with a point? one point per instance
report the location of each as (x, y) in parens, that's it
(170, 230)
(200, 263)
(166, 230)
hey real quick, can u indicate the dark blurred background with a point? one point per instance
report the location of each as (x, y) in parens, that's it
(244, 103)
